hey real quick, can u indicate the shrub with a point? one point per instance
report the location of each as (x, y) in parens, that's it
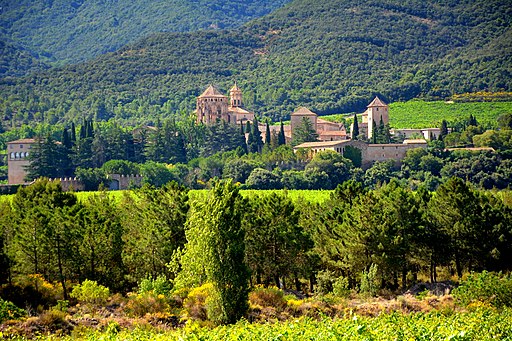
(487, 287)
(268, 297)
(341, 287)
(158, 286)
(9, 311)
(369, 282)
(90, 292)
(195, 303)
(324, 282)
(147, 303)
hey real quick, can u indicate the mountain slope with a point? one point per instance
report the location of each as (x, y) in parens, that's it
(332, 56)
(72, 31)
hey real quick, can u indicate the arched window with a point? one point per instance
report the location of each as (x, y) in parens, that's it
(12, 156)
(17, 155)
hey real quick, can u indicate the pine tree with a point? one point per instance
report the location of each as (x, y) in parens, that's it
(304, 132)
(355, 130)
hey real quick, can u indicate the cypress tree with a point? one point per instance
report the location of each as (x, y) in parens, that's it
(73, 133)
(267, 135)
(355, 131)
(256, 134)
(444, 130)
(281, 139)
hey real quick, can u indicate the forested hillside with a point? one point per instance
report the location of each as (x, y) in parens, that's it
(331, 56)
(73, 31)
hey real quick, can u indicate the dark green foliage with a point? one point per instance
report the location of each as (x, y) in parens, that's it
(281, 139)
(429, 49)
(222, 137)
(274, 240)
(154, 228)
(62, 30)
(261, 178)
(304, 132)
(355, 130)
(92, 178)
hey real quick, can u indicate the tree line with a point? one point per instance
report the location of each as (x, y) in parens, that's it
(274, 240)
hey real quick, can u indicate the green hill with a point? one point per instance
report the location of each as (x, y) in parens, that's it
(331, 56)
(77, 30)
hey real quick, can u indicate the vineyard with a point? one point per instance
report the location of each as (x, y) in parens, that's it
(480, 324)
(422, 114)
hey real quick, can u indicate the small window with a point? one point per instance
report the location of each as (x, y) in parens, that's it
(21, 146)
(376, 109)
(12, 156)
(17, 155)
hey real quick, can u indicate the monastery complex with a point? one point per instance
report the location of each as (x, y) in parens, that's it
(213, 105)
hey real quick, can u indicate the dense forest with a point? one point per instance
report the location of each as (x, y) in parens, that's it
(64, 31)
(332, 56)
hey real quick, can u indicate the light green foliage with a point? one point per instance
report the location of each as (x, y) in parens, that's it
(215, 251)
(157, 286)
(341, 287)
(90, 292)
(369, 281)
(423, 114)
(9, 311)
(487, 287)
(482, 324)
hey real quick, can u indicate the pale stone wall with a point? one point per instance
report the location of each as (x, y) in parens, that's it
(17, 154)
(122, 182)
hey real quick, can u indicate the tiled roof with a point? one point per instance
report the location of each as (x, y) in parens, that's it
(320, 144)
(333, 132)
(212, 91)
(304, 111)
(27, 141)
(376, 103)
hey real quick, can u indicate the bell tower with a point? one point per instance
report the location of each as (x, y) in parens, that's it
(235, 97)
(377, 111)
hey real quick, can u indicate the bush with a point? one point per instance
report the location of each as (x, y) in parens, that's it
(268, 297)
(195, 303)
(341, 287)
(9, 311)
(147, 303)
(487, 287)
(369, 282)
(90, 292)
(158, 286)
(324, 282)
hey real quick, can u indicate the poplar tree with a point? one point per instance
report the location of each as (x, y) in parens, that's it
(215, 252)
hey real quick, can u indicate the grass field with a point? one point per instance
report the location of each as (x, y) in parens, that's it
(422, 114)
(312, 196)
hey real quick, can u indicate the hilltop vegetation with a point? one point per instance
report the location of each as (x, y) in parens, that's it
(332, 56)
(67, 31)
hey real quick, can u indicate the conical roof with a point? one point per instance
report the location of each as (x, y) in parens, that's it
(303, 111)
(377, 103)
(212, 91)
(235, 88)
